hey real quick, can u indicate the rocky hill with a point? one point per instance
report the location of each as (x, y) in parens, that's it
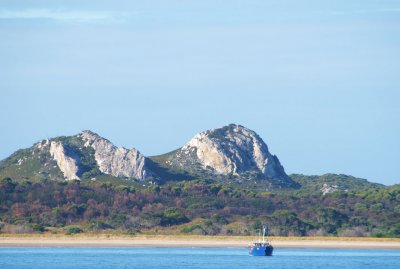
(118, 162)
(82, 156)
(232, 151)
(330, 183)
(222, 182)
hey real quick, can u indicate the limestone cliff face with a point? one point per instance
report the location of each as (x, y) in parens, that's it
(67, 164)
(232, 149)
(231, 152)
(118, 162)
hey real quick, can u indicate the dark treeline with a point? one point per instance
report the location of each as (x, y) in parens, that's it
(194, 207)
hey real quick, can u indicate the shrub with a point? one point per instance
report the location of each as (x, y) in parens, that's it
(38, 227)
(172, 216)
(73, 230)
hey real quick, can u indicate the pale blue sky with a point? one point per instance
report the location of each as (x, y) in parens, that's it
(320, 82)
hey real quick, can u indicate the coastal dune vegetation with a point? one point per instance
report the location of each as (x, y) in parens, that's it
(198, 207)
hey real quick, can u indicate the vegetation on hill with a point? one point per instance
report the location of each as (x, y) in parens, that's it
(313, 184)
(33, 163)
(211, 207)
(180, 195)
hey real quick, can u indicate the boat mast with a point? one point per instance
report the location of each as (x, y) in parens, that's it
(264, 230)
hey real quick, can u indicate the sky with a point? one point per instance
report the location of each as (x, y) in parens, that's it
(319, 81)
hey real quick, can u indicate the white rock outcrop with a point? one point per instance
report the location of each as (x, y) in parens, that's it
(115, 161)
(329, 188)
(233, 149)
(68, 165)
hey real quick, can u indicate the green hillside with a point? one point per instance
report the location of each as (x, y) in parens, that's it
(179, 195)
(207, 207)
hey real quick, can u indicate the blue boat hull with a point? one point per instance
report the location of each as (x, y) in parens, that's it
(261, 251)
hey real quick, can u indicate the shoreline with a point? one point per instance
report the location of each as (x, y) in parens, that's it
(192, 241)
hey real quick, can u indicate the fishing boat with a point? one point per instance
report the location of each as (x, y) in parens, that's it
(261, 247)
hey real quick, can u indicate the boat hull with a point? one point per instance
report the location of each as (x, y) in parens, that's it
(261, 251)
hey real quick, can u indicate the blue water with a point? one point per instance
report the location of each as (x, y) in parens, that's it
(230, 258)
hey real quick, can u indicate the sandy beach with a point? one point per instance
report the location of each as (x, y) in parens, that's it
(192, 241)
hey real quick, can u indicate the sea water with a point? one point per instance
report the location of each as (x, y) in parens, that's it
(230, 258)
